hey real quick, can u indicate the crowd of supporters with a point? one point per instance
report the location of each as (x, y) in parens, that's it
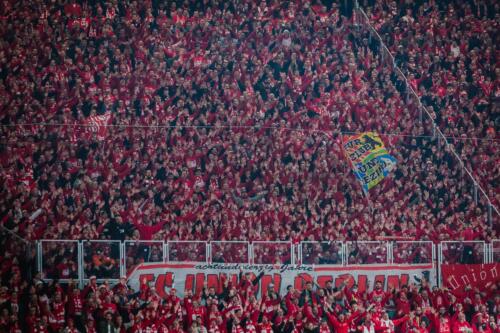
(32, 305)
(224, 123)
(448, 52)
(223, 120)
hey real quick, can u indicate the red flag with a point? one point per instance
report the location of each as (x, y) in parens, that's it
(457, 276)
(97, 124)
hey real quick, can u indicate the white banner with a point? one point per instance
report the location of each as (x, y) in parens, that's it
(191, 276)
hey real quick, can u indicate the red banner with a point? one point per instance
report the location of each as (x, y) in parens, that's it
(457, 276)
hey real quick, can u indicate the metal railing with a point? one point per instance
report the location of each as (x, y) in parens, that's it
(230, 252)
(318, 253)
(368, 253)
(274, 253)
(138, 252)
(413, 252)
(60, 259)
(188, 251)
(463, 252)
(361, 18)
(108, 260)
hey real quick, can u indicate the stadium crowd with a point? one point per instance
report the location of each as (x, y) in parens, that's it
(223, 121)
(447, 50)
(32, 305)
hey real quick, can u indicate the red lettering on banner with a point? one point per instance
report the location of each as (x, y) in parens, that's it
(405, 278)
(393, 280)
(300, 281)
(234, 279)
(169, 279)
(323, 279)
(200, 280)
(277, 282)
(195, 282)
(297, 283)
(145, 278)
(160, 285)
(191, 278)
(362, 283)
(189, 284)
(222, 277)
(213, 281)
(379, 278)
(347, 278)
(267, 279)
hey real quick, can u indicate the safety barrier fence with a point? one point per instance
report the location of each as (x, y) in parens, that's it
(109, 260)
(413, 100)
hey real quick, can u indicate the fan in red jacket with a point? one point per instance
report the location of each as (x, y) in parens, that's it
(377, 293)
(441, 321)
(194, 310)
(461, 325)
(58, 309)
(341, 325)
(75, 302)
(265, 326)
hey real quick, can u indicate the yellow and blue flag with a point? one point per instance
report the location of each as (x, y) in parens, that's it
(369, 158)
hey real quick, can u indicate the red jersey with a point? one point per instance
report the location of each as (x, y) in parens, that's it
(59, 312)
(323, 328)
(340, 327)
(75, 304)
(265, 328)
(463, 327)
(250, 328)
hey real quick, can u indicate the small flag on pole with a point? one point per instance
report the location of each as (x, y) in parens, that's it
(369, 158)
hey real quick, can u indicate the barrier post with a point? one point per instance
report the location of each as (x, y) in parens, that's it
(440, 262)
(123, 268)
(80, 264)
(39, 257)
(208, 251)
(390, 257)
(166, 256)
